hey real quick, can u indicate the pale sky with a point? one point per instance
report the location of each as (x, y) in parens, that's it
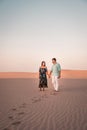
(36, 30)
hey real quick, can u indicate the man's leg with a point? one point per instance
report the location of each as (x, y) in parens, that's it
(56, 83)
(53, 82)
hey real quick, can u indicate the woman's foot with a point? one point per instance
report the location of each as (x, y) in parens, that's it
(40, 89)
(43, 88)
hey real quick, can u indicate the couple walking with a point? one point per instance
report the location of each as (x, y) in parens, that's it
(55, 72)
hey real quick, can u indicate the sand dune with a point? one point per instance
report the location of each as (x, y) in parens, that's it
(24, 107)
(74, 74)
(64, 74)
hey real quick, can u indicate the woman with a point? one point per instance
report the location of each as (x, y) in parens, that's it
(43, 76)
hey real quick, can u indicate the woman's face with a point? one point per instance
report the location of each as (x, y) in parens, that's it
(43, 64)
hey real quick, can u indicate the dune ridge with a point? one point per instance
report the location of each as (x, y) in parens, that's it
(64, 74)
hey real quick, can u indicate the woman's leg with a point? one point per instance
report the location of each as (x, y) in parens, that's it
(40, 88)
(40, 84)
(43, 87)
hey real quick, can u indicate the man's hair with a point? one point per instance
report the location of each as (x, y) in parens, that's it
(54, 59)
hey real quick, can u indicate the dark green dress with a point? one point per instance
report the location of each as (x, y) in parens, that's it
(42, 78)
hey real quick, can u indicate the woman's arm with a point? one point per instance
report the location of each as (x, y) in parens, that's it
(50, 71)
(39, 72)
(47, 72)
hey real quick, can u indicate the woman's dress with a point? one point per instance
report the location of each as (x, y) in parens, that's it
(43, 78)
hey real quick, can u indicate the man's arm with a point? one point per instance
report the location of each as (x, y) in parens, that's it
(59, 69)
(50, 72)
(59, 74)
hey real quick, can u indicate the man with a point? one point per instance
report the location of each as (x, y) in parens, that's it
(56, 73)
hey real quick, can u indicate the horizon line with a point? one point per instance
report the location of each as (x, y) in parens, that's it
(37, 71)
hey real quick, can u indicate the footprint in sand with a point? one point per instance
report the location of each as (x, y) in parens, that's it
(16, 123)
(52, 93)
(17, 115)
(44, 96)
(14, 109)
(38, 99)
(11, 113)
(23, 105)
(11, 117)
(35, 100)
(7, 129)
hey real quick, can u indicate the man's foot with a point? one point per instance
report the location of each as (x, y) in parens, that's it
(56, 90)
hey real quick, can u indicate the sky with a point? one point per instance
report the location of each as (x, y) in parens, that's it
(36, 30)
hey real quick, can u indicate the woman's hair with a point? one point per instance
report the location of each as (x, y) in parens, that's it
(43, 62)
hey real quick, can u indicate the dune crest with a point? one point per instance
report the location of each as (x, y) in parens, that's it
(65, 74)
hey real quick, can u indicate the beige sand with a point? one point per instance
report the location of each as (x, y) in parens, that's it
(65, 74)
(24, 107)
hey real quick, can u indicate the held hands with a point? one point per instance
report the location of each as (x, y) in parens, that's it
(49, 75)
(59, 76)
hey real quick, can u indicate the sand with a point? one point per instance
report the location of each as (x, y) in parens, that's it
(24, 107)
(77, 74)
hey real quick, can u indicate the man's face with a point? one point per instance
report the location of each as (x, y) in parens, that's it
(53, 61)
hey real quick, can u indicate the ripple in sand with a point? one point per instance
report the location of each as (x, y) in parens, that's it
(21, 113)
(14, 109)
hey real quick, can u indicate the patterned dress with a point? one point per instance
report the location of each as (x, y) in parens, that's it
(42, 78)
